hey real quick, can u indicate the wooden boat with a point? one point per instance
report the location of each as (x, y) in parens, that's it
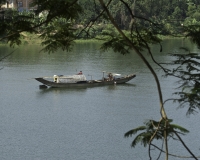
(60, 81)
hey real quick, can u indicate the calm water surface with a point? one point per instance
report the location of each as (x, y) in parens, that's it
(83, 124)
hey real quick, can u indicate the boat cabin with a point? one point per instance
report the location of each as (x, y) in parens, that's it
(69, 79)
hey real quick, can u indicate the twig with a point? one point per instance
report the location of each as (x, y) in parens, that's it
(173, 155)
(6, 56)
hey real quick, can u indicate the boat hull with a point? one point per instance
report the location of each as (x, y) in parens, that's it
(91, 83)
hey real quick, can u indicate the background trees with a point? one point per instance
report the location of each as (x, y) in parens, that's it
(172, 14)
(2, 2)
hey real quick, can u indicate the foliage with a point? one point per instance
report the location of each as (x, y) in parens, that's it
(2, 2)
(154, 130)
(188, 71)
(113, 40)
(170, 14)
(193, 32)
(56, 26)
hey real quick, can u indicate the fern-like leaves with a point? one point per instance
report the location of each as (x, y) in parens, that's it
(154, 130)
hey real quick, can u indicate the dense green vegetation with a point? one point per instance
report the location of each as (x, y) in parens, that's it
(2, 2)
(172, 14)
(124, 26)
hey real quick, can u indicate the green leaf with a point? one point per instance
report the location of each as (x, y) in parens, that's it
(134, 131)
(177, 127)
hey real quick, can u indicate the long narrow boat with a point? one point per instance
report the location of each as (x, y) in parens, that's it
(60, 81)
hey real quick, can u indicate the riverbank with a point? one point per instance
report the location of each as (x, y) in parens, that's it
(28, 38)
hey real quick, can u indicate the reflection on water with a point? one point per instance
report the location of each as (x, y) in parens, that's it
(86, 123)
(82, 89)
(61, 90)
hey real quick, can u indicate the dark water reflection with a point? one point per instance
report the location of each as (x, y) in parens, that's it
(82, 124)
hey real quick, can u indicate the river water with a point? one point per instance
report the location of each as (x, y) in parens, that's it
(83, 124)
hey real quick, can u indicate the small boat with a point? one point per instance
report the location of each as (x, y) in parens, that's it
(79, 80)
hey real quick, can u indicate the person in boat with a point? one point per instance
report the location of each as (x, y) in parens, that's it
(110, 77)
(80, 73)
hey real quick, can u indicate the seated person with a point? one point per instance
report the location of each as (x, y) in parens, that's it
(80, 73)
(110, 76)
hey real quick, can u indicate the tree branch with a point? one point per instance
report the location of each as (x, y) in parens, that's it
(1, 59)
(147, 64)
(185, 145)
(173, 155)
